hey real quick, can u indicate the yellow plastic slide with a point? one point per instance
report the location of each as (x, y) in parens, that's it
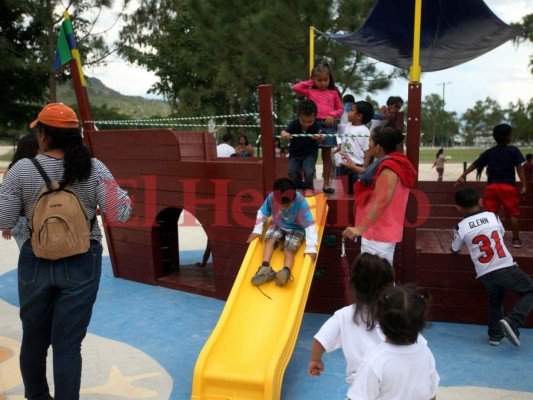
(248, 351)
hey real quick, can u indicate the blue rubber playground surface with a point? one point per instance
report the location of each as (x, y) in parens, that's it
(144, 340)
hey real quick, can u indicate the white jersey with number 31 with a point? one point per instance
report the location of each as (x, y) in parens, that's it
(483, 233)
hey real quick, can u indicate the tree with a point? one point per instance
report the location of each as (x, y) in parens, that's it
(520, 117)
(22, 75)
(210, 58)
(438, 125)
(28, 40)
(479, 120)
(527, 35)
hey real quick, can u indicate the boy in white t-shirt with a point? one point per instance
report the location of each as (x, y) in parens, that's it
(402, 367)
(355, 144)
(483, 233)
(225, 149)
(347, 101)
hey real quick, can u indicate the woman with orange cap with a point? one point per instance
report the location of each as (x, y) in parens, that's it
(57, 296)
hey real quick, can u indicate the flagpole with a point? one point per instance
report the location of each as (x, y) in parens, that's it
(311, 49)
(80, 89)
(414, 98)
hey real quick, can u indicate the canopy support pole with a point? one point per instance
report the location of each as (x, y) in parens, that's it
(413, 149)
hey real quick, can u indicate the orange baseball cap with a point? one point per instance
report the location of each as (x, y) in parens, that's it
(57, 115)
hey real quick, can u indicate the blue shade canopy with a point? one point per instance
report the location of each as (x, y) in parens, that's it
(452, 32)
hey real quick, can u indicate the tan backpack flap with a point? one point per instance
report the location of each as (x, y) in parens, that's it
(59, 225)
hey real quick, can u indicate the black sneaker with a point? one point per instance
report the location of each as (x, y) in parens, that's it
(512, 334)
(263, 275)
(496, 341)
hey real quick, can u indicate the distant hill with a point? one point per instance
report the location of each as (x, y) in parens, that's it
(136, 107)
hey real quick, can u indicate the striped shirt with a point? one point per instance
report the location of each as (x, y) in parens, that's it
(23, 183)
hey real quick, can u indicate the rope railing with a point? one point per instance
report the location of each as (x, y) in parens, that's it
(326, 135)
(295, 135)
(159, 120)
(137, 123)
(168, 122)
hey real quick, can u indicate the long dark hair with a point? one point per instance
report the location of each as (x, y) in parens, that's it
(441, 150)
(246, 143)
(77, 159)
(371, 275)
(324, 68)
(27, 147)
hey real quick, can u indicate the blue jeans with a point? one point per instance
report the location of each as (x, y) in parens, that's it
(496, 283)
(329, 141)
(56, 303)
(306, 164)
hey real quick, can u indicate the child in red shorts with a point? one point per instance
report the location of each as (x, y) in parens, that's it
(501, 161)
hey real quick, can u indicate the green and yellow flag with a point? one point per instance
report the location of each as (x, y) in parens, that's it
(66, 47)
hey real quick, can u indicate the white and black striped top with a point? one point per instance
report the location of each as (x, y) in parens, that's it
(23, 183)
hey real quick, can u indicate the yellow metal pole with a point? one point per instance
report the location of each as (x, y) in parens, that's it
(311, 49)
(415, 70)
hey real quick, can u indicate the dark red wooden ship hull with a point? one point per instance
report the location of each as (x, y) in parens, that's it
(167, 171)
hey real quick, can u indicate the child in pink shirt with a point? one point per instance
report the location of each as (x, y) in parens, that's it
(322, 90)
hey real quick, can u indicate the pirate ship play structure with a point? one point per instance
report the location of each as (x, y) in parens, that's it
(168, 171)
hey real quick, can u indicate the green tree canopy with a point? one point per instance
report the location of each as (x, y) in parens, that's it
(527, 36)
(210, 57)
(24, 81)
(479, 120)
(28, 37)
(520, 117)
(439, 126)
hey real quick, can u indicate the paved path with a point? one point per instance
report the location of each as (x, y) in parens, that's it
(144, 340)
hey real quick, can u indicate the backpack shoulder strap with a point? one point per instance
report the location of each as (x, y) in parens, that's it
(47, 180)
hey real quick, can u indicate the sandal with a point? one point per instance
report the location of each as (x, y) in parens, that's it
(328, 190)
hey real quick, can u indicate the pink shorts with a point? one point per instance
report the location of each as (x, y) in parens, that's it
(502, 194)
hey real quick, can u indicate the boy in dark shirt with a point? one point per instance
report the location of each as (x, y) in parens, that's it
(501, 161)
(303, 150)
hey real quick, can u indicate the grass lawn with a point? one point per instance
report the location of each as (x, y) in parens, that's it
(460, 155)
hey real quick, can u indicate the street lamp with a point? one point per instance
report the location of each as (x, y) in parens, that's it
(443, 103)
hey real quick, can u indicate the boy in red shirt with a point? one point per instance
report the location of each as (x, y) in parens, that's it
(501, 161)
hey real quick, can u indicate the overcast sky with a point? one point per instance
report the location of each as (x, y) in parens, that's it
(502, 74)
